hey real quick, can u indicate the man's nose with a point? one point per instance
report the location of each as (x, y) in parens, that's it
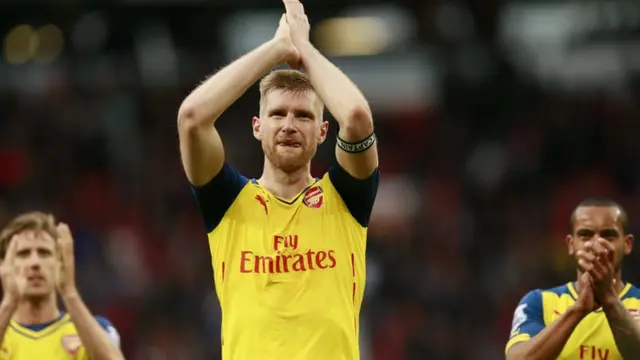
(289, 124)
(33, 261)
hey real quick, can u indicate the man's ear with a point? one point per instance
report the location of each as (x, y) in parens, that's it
(628, 244)
(569, 241)
(324, 129)
(255, 124)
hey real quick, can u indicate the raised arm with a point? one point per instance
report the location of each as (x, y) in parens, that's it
(100, 342)
(357, 152)
(13, 284)
(200, 145)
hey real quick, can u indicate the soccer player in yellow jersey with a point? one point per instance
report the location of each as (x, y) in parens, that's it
(288, 250)
(38, 264)
(596, 317)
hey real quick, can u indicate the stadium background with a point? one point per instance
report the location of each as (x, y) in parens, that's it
(495, 118)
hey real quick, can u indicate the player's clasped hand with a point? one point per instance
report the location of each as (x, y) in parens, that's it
(596, 260)
(586, 301)
(290, 54)
(298, 22)
(13, 282)
(292, 33)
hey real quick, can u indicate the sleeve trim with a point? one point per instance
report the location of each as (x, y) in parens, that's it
(516, 340)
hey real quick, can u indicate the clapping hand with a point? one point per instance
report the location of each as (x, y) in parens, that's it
(586, 301)
(596, 260)
(282, 38)
(13, 282)
(66, 271)
(298, 22)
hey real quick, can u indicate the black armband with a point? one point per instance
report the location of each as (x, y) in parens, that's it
(359, 146)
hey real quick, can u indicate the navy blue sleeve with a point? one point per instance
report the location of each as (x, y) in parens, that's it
(358, 194)
(528, 318)
(215, 197)
(111, 330)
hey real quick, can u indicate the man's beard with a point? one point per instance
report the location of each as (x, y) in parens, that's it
(289, 163)
(37, 297)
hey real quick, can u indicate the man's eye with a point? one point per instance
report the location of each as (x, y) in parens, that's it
(278, 114)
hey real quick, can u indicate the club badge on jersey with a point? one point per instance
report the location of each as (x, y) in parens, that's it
(314, 198)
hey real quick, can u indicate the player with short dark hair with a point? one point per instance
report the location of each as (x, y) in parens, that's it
(601, 203)
(598, 315)
(288, 249)
(37, 266)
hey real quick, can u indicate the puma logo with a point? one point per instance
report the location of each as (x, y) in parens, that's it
(263, 202)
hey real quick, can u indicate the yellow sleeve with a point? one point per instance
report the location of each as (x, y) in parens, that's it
(515, 340)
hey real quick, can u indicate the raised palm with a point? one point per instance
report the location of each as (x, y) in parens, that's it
(586, 297)
(298, 22)
(283, 38)
(13, 283)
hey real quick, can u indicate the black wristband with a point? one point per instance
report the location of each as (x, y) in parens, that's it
(359, 146)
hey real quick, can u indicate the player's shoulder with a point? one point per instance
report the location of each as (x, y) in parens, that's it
(327, 185)
(216, 197)
(103, 321)
(335, 187)
(531, 298)
(109, 328)
(564, 289)
(535, 297)
(632, 292)
(358, 195)
(250, 188)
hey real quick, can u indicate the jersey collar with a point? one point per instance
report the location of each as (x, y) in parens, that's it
(288, 201)
(40, 333)
(574, 293)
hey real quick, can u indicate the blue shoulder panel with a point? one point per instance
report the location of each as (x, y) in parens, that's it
(215, 197)
(359, 195)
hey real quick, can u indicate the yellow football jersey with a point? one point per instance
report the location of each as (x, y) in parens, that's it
(289, 274)
(57, 340)
(591, 339)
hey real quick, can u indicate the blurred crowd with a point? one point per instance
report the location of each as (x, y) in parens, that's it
(472, 210)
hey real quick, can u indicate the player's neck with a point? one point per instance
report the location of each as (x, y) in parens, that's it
(284, 184)
(31, 312)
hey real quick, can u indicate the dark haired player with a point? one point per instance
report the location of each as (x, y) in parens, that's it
(595, 317)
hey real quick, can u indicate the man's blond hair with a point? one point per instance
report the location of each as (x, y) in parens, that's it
(292, 81)
(35, 221)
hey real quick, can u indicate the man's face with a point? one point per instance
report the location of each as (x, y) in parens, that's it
(592, 222)
(36, 261)
(290, 128)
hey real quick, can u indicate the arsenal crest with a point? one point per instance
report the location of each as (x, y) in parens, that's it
(314, 197)
(71, 344)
